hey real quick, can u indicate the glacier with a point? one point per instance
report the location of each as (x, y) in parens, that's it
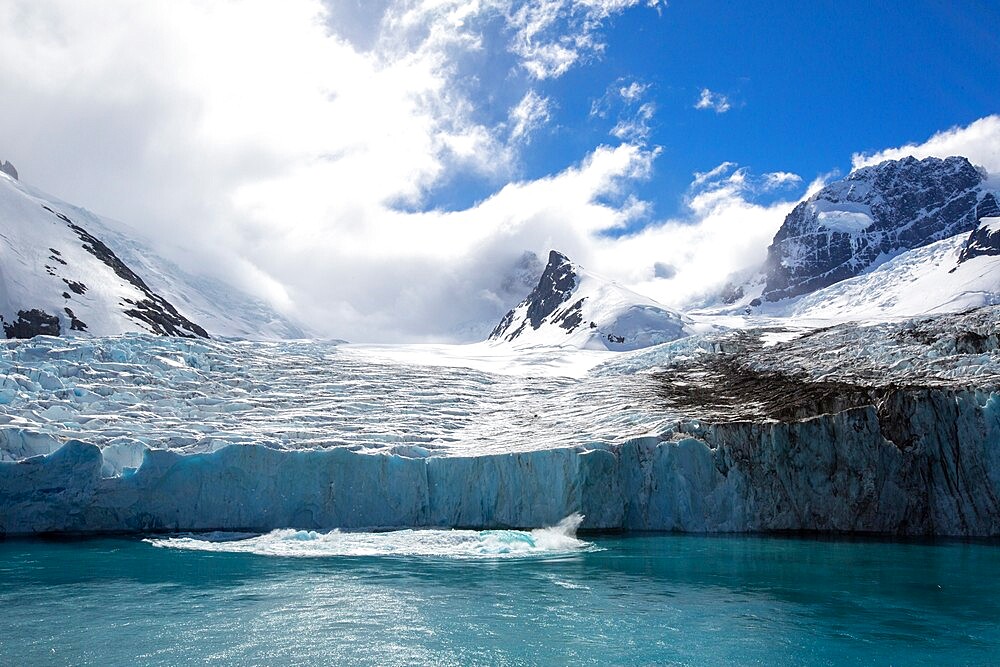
(890, 428)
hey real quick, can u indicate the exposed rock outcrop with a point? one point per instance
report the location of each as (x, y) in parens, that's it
(31, 323)
(983, 241)
(7, 168)
(874, 213)
(572, 306)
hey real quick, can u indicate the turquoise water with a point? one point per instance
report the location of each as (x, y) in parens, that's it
(663, 599)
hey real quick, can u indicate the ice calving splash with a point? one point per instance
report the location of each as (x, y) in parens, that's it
(426, 543)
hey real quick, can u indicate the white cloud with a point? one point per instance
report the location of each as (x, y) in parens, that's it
(780, 179)
(528, 115)
(550, 36)
(635, 127)
(681, 260)
(633, 92)
(278, 153)
(634, 116)
(700, 178)
(979, 141)
(717, 102)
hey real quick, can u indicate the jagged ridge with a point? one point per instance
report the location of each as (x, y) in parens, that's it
(874, 213)
(572, 306)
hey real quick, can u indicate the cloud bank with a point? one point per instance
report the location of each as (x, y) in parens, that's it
(979, 141)
(291, 148)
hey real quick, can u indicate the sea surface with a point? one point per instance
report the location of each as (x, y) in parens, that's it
(496, 598)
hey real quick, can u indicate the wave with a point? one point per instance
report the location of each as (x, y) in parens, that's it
(428, 543)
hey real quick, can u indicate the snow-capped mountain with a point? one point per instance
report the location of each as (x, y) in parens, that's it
(871, 216)
(572, 306)
(949, 276)
(65, 271)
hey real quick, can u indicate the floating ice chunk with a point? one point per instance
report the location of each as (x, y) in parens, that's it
(456, 544)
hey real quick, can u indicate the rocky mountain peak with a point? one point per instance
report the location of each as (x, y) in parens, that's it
(875, 213)
(555, 286)
(572, 306)
(7, 168)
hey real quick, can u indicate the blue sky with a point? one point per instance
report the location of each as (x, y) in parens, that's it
(806, 87)
(378, 169)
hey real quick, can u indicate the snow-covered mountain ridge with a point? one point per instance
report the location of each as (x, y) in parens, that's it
(65, 271)
(572, 306)
(57, 277)
(874, 214)
(954, 275)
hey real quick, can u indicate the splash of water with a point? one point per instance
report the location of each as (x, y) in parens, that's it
(428, 543)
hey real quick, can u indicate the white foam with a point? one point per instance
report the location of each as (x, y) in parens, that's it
(428, 543)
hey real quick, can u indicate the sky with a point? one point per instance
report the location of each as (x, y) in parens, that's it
(383, 170)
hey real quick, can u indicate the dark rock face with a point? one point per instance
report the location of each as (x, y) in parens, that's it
(75, 324)
(984, 240)
(918, 461)
(8, 168)
(554, 288)
(731, 293)
(154, 311)
(75, 287)
(876, 211)
(31, 323)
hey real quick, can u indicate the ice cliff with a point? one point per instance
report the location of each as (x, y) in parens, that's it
(889, 429)
(923, 462)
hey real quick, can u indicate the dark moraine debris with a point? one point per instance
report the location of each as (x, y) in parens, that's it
(155, 311)
(31, 323)
(721, 388)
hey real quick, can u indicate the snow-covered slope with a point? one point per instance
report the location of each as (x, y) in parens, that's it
(948, 276)
(572, 306)
(219, 307)
(58, 278)
(65, 271)
(872, 215)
